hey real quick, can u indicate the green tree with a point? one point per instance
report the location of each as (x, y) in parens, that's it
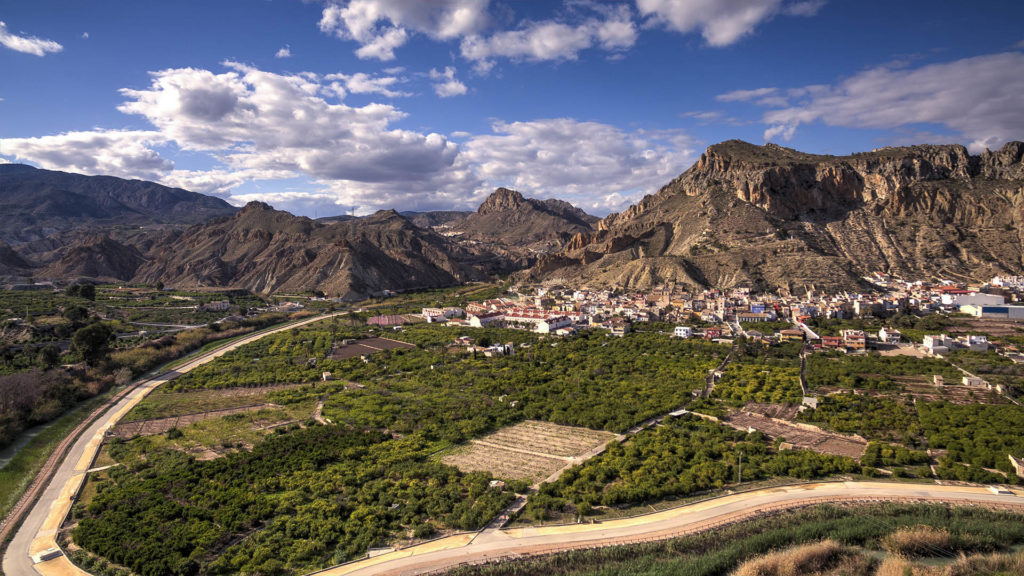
(88, 291)
(93, 342)
(49, 356)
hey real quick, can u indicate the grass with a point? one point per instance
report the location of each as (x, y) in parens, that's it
(161, 404)
(19, 472)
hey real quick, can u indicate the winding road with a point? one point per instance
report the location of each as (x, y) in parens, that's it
(493, 545)
(38, 530)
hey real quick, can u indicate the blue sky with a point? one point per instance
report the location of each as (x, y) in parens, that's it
(322, 107)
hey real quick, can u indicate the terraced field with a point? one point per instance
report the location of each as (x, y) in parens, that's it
(529, 450)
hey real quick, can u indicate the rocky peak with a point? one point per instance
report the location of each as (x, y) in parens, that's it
(500, 200)
(256, 206)
(1007, 163)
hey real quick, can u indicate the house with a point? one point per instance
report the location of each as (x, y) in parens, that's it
(974, 381)
(855, 339)
(1018, 465)
(751, 317)
(977, 343)
(712, 332)
(327, 376)
(889, 336)
(217, 306)
(552, 324)
(618, 327)
(832, 342)
(683, 332)
(506, 349)
(937, 343)
(386, 320)
(791, 334)
(481, 319)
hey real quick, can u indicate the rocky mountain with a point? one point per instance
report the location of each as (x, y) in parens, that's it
(434, 218)
(523, 228)
(12, 263)
(773, 217)
(100, 258)
(39, 203)
(266, 250)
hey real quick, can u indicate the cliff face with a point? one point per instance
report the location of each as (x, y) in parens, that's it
(777, 218)
(265, 250)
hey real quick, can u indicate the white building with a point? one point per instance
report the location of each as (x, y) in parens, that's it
(937, 343)
(683, 332)
(974, 381)
(553, 324)
(485, 319)
(889, 336)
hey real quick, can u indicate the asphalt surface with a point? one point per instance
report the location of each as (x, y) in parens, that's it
(495, 545)
(17, 560)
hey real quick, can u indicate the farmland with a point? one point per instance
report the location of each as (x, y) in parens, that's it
(529, 450)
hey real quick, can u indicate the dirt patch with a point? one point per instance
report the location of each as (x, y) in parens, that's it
(801, 436)
(162, 425)
(365, 347)
(529, 450)
(782, 411)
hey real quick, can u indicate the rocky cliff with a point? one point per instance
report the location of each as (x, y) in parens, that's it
(773, 217)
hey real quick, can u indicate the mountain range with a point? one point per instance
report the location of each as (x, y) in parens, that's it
(767, 217)
(771, 217)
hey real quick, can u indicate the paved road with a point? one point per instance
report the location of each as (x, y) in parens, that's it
(38, 530)
(493, 545)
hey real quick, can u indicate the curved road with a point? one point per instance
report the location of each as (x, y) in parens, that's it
(38, 531)
(492, 545)
(39, 528)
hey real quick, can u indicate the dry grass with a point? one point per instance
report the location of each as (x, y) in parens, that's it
(917, 541)
(825, 557)
(976, 565)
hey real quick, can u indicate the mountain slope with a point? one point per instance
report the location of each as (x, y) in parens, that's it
(523, 227)
(772, 217)
(266, 250)
(37, 203)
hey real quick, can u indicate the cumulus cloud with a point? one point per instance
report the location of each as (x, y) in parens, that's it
(382, 26)
(27, 44)
(446, 85)
(721, 22)
(260, 126)
(284, 52)
(597, 166)
(979, 98)
(360, 83)
(613, 31)
(124, 153)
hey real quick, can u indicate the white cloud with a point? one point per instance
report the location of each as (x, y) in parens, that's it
(448, 85)
(552, 40)
(981, 98)
(284, 52)
(721, 22)
(360, 83)
(85, 35)
(590, 164)
(745, 95)
(124, 153)
(381, 26)
(27, 44)
(260, 126)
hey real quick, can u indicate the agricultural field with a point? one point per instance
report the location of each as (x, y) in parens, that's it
(529, 450)
(341, 351)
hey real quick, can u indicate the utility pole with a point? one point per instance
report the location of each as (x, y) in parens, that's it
(739, 470)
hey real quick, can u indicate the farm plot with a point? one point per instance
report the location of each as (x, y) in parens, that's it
(801, 436)
(529, 450)
(162, 404)
(366, 346)
(161, 425)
